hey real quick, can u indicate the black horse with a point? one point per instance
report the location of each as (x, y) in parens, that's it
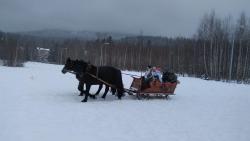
(80, 78)
(91, 74)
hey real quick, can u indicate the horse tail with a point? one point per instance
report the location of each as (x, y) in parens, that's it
(120, 89)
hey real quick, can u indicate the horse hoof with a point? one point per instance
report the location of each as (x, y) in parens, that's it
(84, 100)
(103, 97)
(92, 96)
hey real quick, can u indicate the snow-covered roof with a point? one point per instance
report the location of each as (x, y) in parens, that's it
(45, 49)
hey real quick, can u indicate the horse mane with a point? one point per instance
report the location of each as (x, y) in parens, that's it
(92, 69)
(79, 65)
(86, 67)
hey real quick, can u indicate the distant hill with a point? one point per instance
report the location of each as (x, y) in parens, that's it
(87, 35)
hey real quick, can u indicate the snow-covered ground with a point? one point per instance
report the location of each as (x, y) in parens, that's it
(39, 103)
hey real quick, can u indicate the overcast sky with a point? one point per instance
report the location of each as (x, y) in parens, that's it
(153, 17)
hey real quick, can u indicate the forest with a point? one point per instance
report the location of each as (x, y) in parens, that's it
(218, 50)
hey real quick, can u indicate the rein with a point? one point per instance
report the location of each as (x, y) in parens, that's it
(124, 89)
(94, 76)
(101, 80)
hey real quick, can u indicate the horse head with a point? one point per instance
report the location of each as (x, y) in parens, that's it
(69, 66)
(75, 66)
(72, 66)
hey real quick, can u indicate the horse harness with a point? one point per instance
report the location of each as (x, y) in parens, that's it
(96, 77)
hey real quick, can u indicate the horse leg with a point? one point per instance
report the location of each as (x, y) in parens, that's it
(119, 94)
(113, 90)
(105, 92)
(86, 93)
(92, 96)
(80, 88)
(99, 89)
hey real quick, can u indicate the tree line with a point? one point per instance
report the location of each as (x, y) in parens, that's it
(219, 50)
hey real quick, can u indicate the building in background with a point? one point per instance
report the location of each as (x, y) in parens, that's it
(43, 54)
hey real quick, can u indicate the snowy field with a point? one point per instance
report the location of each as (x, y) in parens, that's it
(39, 103)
